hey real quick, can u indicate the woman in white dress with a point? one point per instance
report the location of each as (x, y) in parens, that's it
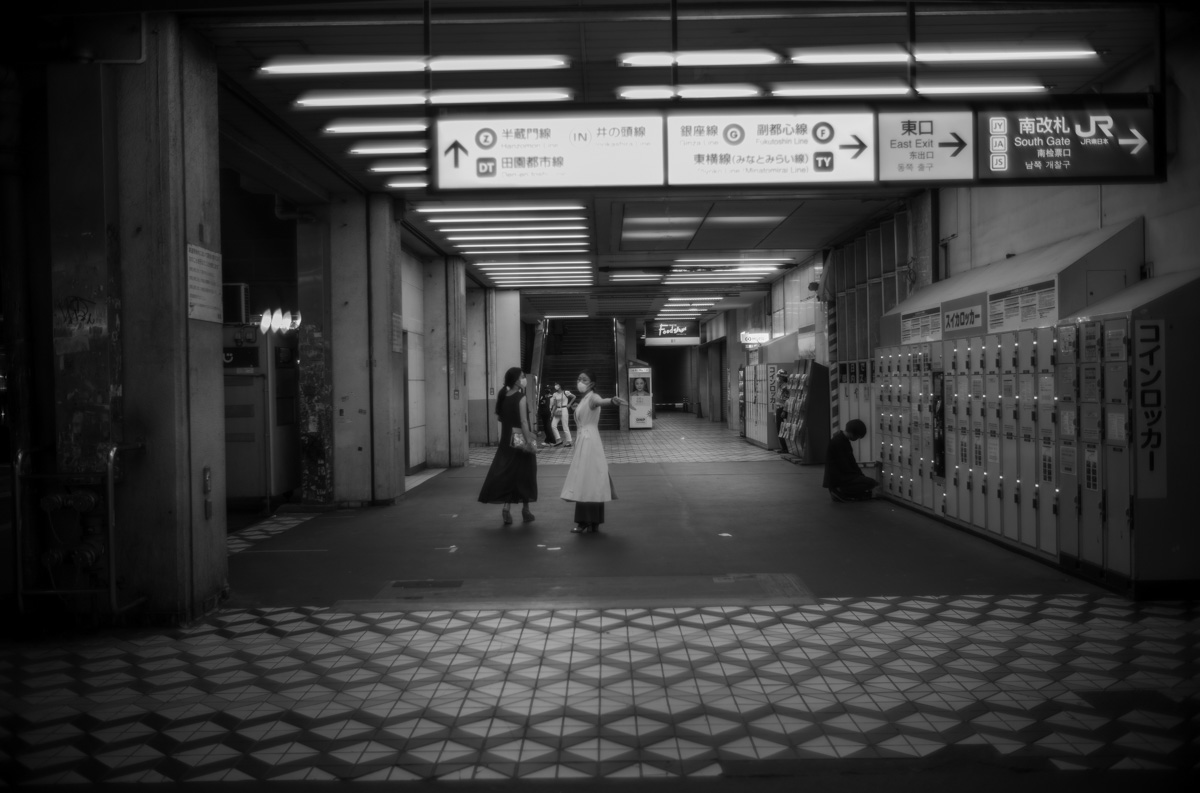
(588, 483)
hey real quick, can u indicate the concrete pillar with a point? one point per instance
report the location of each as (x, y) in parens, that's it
(386, 343)
(349, 310)
(481, 367)
(446, 435)
(170, 505)
(315, 349)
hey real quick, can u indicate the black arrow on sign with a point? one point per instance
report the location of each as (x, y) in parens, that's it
(860, 146)
(959, 142)
(457, 148)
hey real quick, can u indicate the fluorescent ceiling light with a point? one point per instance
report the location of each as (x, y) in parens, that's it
(369, 126)
(529, 219)
(484, 96)
(981, 88)
(519, 228)
(521, 237)
(896, 88)
(646, 92)
(391, 65)
(399, 167)
(662, 221)
(634, 277)
(582, 249)
(341, 65)
(388, 148)
(566, 316)
(543, 208)
(407, 184)
(658, 234)
(991, 53)
(527, 263)
(718, 91)
(779, 259)
(527, 245)
(490, 63)
(705, 297)
(737, 220)
(866, 54)
(750, 57)
(537, 270)
(359, 98)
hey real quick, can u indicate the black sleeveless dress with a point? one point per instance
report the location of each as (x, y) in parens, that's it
(513, 475)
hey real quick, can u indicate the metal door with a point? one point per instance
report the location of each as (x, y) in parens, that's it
(1048, 499)
(1010, 479)
(1118, 466)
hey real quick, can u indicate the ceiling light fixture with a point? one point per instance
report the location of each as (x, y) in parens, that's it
(522, 250)
(407, 184)
(321, 64)
(520, 237)
(980, 88)
(779, 259)
(526, 263)
(718, 91)
(866, 54)
(464, 96)
(991, 53)
(646, 92)
(367, 127)
(840, 89)
(360, 98)
(530, 219)
(495, 63)
(388, 148)
(521, 228)
(542, 208)
(416, 167)
(749, 57)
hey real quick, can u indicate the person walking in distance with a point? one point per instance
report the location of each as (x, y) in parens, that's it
(560, 405)
(513, 474)
(843, 477)
(588, 482)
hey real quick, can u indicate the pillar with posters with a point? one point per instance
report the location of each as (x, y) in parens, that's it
(641, 398)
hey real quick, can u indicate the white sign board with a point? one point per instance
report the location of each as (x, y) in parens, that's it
(483, 152)
(918, 326)
(1031, 306)
(920, 144)
(204, 284)
(770, 147)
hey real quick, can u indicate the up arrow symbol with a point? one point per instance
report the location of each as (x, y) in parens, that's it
(1138, 140)
(457, 148)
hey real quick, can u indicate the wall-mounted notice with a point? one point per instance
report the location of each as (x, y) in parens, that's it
(562, 150)
(1031, 306)
(204, 284)
(770, 147)
(919, 326)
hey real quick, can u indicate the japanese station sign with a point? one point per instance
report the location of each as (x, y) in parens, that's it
(485, 152)
(1111, 138)
(1065, 144)
(784, 147)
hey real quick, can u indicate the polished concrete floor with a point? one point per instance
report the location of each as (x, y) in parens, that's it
(730, 627)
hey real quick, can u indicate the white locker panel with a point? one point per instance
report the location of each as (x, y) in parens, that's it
(993, 471)
(1010, 478)
(1028, 464)
(976, 479)
(1049, 502)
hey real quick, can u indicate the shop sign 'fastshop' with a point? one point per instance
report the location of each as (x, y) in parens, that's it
(683, 333)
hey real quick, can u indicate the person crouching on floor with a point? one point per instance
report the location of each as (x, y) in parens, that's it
(843, 477)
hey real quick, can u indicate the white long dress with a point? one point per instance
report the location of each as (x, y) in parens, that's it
(587, 478)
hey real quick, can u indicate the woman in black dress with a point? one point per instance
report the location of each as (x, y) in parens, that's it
(513, 475)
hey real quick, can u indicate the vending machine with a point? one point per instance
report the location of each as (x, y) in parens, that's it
(262, 442)
(641, 398)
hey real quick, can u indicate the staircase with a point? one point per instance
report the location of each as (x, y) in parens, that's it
(573, 345)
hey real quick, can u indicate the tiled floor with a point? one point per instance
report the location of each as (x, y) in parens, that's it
(1032, 682)
(1036, 682)
(675, 438)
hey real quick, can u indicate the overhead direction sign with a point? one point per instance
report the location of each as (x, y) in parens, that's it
(564, 150)
(926, 145)
(780, 147)
(1044, 144)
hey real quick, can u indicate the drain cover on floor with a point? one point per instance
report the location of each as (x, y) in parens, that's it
(734, 589)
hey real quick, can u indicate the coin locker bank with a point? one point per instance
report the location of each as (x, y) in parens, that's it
(981, 404)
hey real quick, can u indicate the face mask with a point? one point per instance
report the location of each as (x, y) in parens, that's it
(582, 386)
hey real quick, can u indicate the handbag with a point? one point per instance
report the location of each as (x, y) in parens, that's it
(518, 441)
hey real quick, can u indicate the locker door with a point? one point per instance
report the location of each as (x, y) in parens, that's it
(1008, 353)
(866, 407)
(1066, 392)
(1044, 340)
(1091, 493)
(950, 399)
(1117, 452)
(925, 464)
(1010, 477)
(1049, 501)
(977, 479)
(1026, 352)
(1027, 457)
(992, 469)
